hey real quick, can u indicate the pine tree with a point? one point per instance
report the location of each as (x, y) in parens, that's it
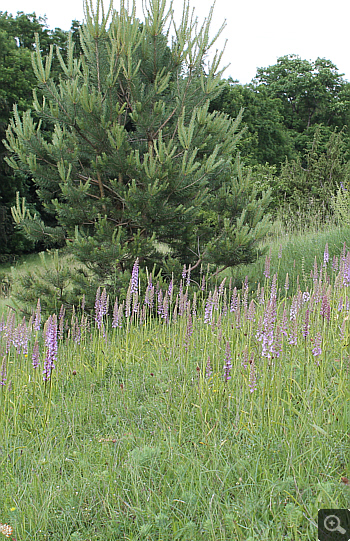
(136, 161)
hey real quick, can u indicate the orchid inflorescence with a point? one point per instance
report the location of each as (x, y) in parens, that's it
(268, 323)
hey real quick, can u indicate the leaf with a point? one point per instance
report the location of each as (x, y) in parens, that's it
(319, 429)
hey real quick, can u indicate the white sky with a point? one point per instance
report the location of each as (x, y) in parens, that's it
(257, 32)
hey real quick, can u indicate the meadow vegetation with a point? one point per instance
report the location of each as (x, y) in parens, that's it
(198, 412)
(176, 367)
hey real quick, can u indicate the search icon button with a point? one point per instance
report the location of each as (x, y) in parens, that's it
(332, 524)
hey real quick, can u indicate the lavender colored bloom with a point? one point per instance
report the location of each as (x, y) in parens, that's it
(293, 336)
(262, 296)
(224, 304)
(315, 271)
(238, 315)
(170, 288)
(343, 253)
(342, 330)
(143, 315)
(251, 311)
(128, 302)
(76, 331)
(188, 276)
(203, 283)
(293, 312)
(234, 300)
(286, 285)
(101, 306)
(208, 312)
(338, 283)
(325, 308)
(61, 322)
(326, 255)
(208, 370)
(228, 363)
(97, 302)
(252, 376)
(9, 330)
(135, 303)
(267, 332)
(120, 314)
(273, 291)
(149, 296)
(134, 282)
(160, 303)
(284, 324)
(17, 338)
(216, 299)
(2, 323)
(116, 315)
(267, 266)
(346, 271)
(335, 263)
(35, 355)
(3, 372)
(104, 302)
(37, 319)
(245, 301)
(165, 308)
(24, 333)
(317, 345)
(194, 306)
(306, 296)
(175, 309)
(259, 330)
(276, 347)
(316, 297)
(51, 346)
(182, 301)
(306, 324)
(84, 324)
(221, 287)
(149, 285)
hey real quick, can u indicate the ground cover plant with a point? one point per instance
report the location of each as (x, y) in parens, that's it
(193, 411)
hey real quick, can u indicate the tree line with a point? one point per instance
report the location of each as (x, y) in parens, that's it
(120, 141)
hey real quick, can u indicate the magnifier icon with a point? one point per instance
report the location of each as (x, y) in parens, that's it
(332, 524)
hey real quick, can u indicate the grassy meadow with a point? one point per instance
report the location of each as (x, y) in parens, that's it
(211, 412)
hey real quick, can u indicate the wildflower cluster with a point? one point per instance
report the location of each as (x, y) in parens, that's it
(266, 325)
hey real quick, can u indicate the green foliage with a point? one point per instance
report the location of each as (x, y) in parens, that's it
(17, 80)
(266, 140)
(134, 438)
(340, 204)
(136, 157)
(298, 251)
(311, 93)
(316, 177)
(50, 282)
(285, 106)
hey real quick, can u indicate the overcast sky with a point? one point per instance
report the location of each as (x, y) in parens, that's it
(257, 32)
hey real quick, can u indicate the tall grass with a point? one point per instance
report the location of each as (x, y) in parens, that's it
(222, 418)
(300, 249)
